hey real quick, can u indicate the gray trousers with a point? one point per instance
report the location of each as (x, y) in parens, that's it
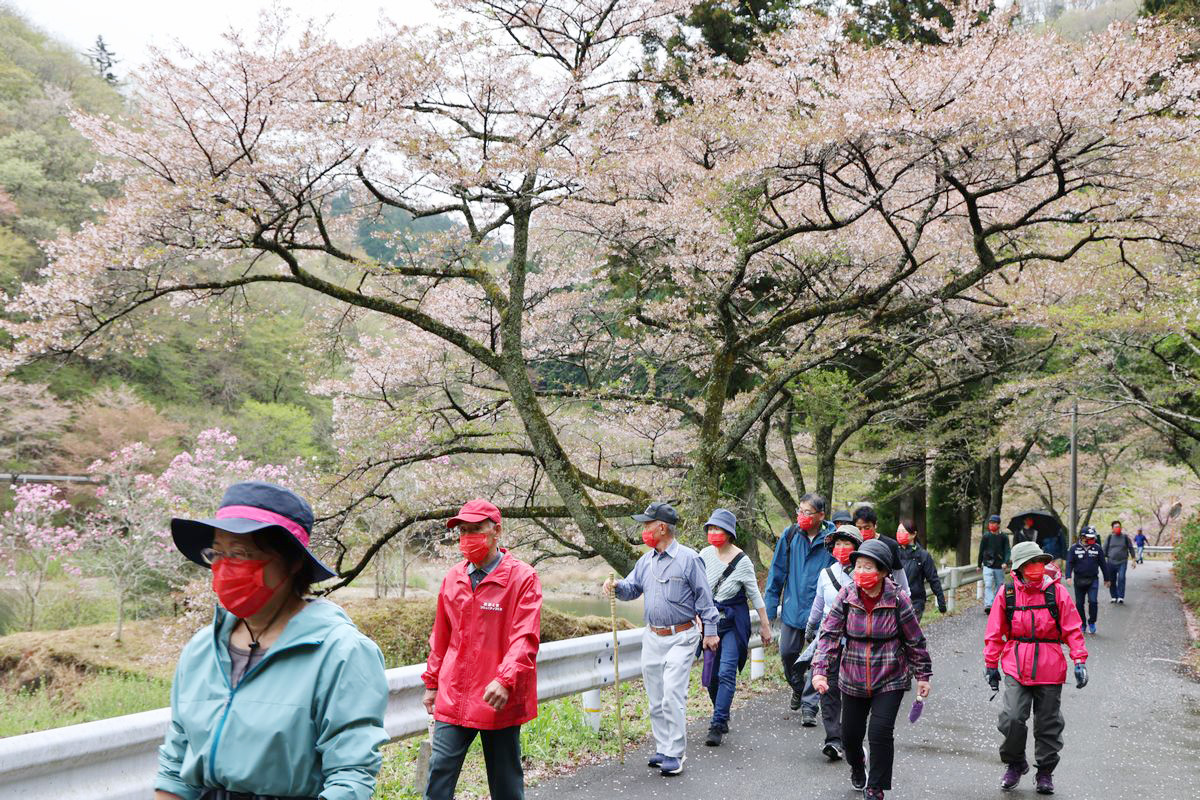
(791, 645)
(666, 671)
(1046, 704)
(831, 712)
(501, 757)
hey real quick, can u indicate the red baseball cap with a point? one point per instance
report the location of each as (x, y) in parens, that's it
(476, 510)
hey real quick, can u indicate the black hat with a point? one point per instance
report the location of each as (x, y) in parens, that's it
(250, 507)
(841, 517)
(658, 512)
(875, 550)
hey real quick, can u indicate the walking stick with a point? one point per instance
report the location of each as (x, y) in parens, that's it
(612, 605)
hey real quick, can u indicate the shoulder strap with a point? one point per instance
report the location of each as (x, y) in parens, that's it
(1052, 606)
(1010, 600)
(789, 533)
(728, 571)
(833, 578)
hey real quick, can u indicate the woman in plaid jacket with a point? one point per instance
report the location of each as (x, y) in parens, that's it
(873, 638)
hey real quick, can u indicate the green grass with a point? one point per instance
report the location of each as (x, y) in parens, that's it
(95, 696)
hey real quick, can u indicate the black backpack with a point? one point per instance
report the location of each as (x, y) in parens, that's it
(899, 634)
(1050, 604)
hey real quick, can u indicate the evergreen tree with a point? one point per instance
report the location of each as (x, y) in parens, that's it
(103, 60)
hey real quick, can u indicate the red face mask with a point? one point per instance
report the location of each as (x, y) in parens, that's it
(1116, 528)
(473, 546)
(903, 537)
(866, 580)
(1034, 572)
(868, 533)
(649, 539)
(993, 527)
(241, 587)
(1029, 523)
(717, 539)
(842, 551)
(805, 521)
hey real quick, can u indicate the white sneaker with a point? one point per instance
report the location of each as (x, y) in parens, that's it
(1121, 600)
(1112, 599)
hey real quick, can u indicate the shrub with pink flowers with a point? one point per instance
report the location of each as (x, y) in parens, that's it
(34, 536)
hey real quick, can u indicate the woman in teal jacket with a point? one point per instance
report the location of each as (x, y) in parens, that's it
(281, 697)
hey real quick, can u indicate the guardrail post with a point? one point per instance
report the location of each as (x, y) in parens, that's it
(591, 708)
(421, 770)
(952, 597)
(757, 665)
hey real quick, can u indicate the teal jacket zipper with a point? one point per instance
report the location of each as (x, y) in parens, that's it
(212, 752)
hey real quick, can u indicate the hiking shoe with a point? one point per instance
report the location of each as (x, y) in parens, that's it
(797, 700)
(1045, 783)
(672, 766)
(655, 760)
(808, 719)
(1091, 627)
(872, 794)
(858, 776)
(714, 737)
(1012, 775)
(833, 752)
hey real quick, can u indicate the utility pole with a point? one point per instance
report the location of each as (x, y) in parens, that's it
(1074, 472)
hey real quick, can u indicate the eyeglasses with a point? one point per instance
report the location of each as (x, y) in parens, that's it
(211, 556)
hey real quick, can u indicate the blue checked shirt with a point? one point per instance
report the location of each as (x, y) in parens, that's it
(675, 586)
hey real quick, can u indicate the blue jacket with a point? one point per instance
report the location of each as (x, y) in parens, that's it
(1087, 561)
(305, 721)
(799, 562)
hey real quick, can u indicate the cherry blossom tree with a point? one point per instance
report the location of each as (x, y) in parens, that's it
(33, 538)
(626, 301)
(128, 536)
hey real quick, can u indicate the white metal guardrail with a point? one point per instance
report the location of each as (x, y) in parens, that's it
(117, 758)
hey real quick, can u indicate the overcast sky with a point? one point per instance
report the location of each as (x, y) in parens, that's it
(130, 27)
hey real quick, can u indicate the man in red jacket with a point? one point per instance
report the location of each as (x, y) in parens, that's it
(481, 674)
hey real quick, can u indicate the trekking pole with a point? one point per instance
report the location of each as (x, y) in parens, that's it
(612, 605)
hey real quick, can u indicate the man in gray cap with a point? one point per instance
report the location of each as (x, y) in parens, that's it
(672, 578)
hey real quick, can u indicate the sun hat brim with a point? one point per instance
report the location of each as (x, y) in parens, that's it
(857, 554)
(1045, 558)
(193, 535)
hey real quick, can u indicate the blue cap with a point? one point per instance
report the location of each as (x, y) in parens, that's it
(250, 507)
(994, 518)
(724, 519)
(658, 512)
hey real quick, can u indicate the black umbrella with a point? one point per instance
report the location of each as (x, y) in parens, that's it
(1045, 523)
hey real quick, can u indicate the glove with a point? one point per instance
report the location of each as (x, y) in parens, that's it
(941, 608)
(809, 635)
(1081, 676)
(993, 677)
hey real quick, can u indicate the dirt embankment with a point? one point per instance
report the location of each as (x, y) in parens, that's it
(58, 658)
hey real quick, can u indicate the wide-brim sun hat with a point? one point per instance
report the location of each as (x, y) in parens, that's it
(848, 533)
(724, 519)
(876, 551)
(1025, 552)
(252, 507)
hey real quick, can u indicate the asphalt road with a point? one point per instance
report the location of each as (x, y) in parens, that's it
(1132, 734)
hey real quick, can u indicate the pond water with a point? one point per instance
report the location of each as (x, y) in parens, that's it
(582, 606)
